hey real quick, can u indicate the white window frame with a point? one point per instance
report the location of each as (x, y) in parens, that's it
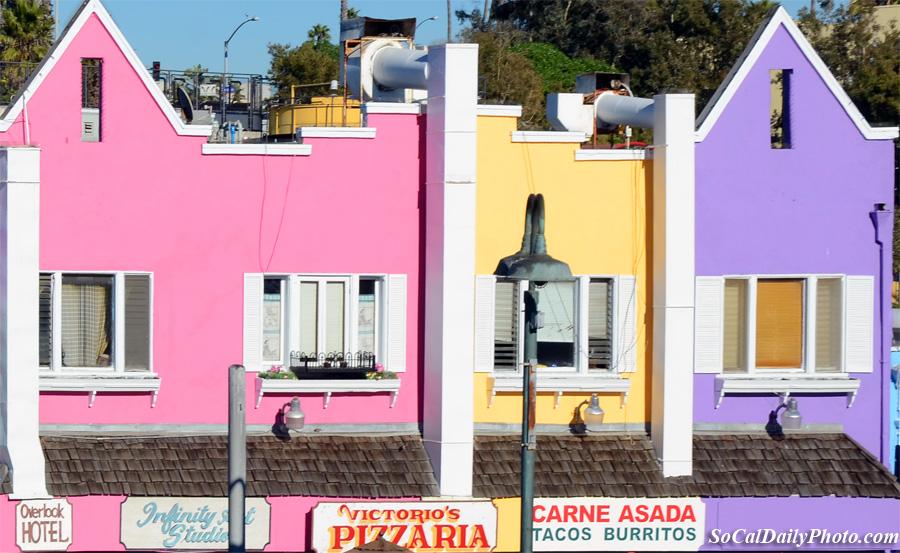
(857, 341)
(117, 362)
(390, 297)
(623, 332)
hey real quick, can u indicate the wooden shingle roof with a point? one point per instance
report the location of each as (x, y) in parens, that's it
(391, 466)
(382, 466)
(725, 465)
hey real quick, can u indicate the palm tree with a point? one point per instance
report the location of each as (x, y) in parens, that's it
(352, 12)
(344, 14)
(319, 33)
(26, 34)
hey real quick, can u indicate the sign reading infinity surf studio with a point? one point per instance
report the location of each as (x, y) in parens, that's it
(466, 526)
(44, 525)
(619, 524)
(189, 523)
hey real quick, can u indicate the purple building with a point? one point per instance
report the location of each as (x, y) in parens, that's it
(794, 193)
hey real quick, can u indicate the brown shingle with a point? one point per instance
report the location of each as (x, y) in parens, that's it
(740, 465)
(197, 466)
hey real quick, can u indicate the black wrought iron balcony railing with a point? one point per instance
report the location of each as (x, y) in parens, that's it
(334, 365)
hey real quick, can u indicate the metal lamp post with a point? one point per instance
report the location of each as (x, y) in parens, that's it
(225, 72)
(533, 264)
(432, 18)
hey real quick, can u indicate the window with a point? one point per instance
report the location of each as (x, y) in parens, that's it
(91, 97)
(588, 325)
(784, 324)
(780, 108)
(316, 315)
(95, 322)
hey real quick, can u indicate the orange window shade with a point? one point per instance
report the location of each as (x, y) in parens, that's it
(779, 324)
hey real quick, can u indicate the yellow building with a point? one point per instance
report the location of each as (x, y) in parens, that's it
(596, 330)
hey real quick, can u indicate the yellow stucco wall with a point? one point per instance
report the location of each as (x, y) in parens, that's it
(597, 217)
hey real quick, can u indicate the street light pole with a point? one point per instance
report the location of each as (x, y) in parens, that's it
(225, 72)
(531, 263)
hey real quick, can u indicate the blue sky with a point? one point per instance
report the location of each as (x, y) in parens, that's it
(182, 33)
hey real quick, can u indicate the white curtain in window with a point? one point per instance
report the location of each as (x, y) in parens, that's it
(829, 314)
(309, 299)
(85, 320)
(334, 317)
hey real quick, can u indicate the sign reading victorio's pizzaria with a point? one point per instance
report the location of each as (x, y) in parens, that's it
(464, 526)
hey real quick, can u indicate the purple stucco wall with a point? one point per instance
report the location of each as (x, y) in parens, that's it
(833, 523)
(804, 210)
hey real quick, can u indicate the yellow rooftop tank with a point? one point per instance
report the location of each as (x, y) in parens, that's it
(319, 111)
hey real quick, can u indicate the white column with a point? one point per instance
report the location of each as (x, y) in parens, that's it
(450, 264)
(671, 419)
(20, 445)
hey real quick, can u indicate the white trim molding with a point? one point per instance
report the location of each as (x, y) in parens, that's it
(326, 387)
(258, 149)
(335, 132)
(548, 137)
(81, 17)
(606, 154)
(786, 385)
(391, 108)
(93, 385)
(496, 110)
(612, 384)
(750, 57)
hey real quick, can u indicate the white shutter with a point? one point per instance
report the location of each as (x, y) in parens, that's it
(860, 312)
(625, 340)
(45, 319)
(137, 322)
(396, 323)
(484, 323)
(708, 324)
(253, 294)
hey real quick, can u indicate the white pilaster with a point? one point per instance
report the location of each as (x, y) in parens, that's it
(450, 264)
(20, 445)
(671, 419)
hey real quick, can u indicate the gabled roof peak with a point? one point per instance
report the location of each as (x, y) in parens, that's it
(776, 19)
(75, 26)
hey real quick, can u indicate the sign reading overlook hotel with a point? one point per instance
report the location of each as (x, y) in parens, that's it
(189, 523)
(618, 524)
(466, 526)
(44, 525)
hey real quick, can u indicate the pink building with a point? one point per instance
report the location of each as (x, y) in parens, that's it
(164, 259)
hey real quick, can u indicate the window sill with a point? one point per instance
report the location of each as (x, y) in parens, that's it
(326, 387)
(786, 385)
(611, 384)
(93, 384)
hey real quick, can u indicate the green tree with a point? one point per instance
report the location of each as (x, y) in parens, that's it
(306, 64)
(319, 33)
(509, 77)
(863, 56)
(26, 33)
(352, 13)
(685, 44)
(557, 70)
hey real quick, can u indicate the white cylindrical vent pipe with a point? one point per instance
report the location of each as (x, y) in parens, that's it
(401, 68)
(613, 109)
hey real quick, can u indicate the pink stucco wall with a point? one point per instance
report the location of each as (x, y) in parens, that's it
(146, 199)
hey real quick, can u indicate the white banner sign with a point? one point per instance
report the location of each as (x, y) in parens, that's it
(190, 523)
(619, 524)
(466, 526)
(44, 525)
